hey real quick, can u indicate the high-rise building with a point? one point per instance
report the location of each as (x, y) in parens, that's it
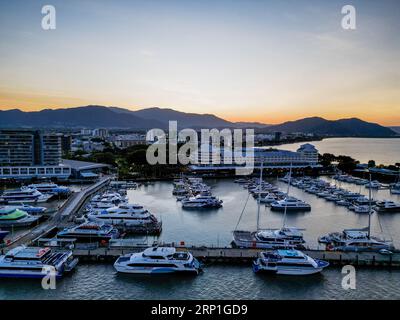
(30, 153)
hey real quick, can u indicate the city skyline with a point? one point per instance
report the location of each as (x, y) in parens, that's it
(258, 61)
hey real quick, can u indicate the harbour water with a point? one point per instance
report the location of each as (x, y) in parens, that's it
(214, 227)
(383, 151)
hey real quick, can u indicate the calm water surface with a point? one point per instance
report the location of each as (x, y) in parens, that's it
(383, 151)
(100, 281)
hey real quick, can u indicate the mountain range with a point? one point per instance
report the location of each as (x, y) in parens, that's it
(114, 117)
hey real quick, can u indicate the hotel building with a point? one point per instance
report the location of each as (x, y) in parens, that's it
(214, 159)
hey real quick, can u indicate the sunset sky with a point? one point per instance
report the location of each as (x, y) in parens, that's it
(243, 60)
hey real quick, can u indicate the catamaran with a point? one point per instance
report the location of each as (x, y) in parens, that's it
(11, 217)
(32, 262)
(284, 237)
(127, 214)
(290, 204)
(50, 188)
(288, 262)
(24, 195)
(89, 232)
(158, 260)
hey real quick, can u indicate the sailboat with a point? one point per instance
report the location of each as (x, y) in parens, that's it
(282, 238)
(356, 239)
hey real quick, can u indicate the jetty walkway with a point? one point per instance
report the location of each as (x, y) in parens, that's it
(245, 255)
(69, 208)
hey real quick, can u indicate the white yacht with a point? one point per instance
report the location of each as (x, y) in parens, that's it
(158, 260)
(354, 240)
(90, 232)
(33, 262)
(285, 237)
(290, 204)
(125, 214)
(387, 206)
(201, 202)
(288, 262)
(24, 195)
(50, 188)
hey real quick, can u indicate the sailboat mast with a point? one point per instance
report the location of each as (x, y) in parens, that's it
(370, 207)
(287, 195)
(259, 194)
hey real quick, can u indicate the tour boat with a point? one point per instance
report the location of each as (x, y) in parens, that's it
(90, 232)
(290, 204)
(158, 260)
(33, 262)
(285, 237)
(24, 195)
(200, 202)
(387, 206)
(288, 262)
(125, 214)
(11, 217)
(354, 240)
(50, 188)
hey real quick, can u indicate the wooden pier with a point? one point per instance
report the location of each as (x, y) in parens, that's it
(246, 256)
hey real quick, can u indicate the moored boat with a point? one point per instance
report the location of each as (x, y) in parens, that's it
(288, 262)
(11, 217)
(33, 262)
(158, 260)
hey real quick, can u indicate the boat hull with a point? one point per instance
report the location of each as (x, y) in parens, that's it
(151, 270)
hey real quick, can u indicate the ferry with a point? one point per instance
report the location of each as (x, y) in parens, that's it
(11, 217)
(89, 232)
(288, 262)
(127, 214)
(158, 260)
(200, 202)
(290, 204)
(285, 237)
(33, 262)
(354, 240)
(24, 195)
(50, 188)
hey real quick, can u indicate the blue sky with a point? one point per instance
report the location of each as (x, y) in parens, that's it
(242, 60)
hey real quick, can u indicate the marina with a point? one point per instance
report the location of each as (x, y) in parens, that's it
(206, 231)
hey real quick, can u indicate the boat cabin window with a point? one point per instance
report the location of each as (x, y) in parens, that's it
(180, 256)
(152, 257)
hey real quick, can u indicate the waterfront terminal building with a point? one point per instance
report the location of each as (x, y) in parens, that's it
(215, 160)
(27, 154)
